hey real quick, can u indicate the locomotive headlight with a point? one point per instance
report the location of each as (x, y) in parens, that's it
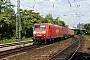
(44, 32)
(34, 32)
(44, 35)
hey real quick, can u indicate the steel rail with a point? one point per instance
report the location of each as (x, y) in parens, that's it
(76, 50)
(18, 50)
(61, 55)
(14, 44)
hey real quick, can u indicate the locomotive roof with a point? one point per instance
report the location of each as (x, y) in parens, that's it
(41, 23)
(56, 25)
(48, 23)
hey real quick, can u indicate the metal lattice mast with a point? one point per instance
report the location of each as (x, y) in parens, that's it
(8, 0)
(18, 22)
(5, 1)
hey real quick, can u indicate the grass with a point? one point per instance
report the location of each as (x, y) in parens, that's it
(25, 39)
(89, 43)
(61, 42)
(87, 36)
(18, 46)
(14, 40)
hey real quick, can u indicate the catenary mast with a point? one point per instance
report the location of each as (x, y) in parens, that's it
(18, 22)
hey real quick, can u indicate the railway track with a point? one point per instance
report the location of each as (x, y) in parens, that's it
(28, 48)
(15, 43)
(6, 53)
(69, 51)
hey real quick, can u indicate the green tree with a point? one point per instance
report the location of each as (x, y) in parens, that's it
(49, 18)
(7, 20)
(59, 22)
(88, 29)
(1, 3)
(29, 17)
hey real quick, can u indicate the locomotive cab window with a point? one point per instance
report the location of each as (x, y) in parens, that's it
(49, 27)
(40, 27)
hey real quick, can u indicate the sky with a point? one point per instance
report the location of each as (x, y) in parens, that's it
(72, 12)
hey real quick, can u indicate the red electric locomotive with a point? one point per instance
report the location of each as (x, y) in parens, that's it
(44, 32)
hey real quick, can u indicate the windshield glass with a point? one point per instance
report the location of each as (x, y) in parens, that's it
(40, 27)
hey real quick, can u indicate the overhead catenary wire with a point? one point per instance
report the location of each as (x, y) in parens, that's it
(69, 3)
(74, 1)
(72, 6)
(75, 5)
(25, 4)
(77, 8)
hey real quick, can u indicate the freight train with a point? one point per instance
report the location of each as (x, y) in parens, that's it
(47, 32)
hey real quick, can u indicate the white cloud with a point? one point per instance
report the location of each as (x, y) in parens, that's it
(59, 0)
(40, 0)
(59, 8)
(52, 1)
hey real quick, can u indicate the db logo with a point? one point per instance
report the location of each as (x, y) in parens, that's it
(57, 30)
